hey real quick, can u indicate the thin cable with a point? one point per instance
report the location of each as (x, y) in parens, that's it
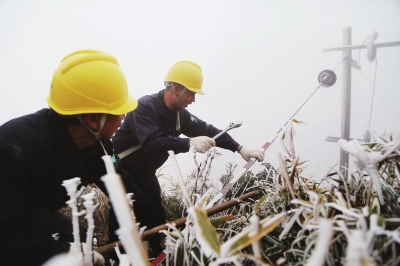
(336, 66)
(298, 110)
(306, 101)
(373, 92)
(359, 52)
(398, 116)
(303, 104)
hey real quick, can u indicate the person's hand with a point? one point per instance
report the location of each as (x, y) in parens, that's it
(98, 259)
(247, 154)
(202, 143)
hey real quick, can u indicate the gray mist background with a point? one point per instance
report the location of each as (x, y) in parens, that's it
(260, 61)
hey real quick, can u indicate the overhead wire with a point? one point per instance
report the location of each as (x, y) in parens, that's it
(320, 84)
(373, 86)
(381, 95)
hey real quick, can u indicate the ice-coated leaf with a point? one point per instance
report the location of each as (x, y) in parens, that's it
(258, 204)
(246, 237)
(217, 221)
(357, 250)
(321, 249)
(291, 222)
(180, 253)
(376, 207)
(205, 232)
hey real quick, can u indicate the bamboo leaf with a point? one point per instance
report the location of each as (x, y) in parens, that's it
(205, 232)
(376, 207)
(291, 222)
(302, 202)
(258, 204)
(298, 121)
(246, 237)
(294, 171)
(180, 253)
(321, 249)
(217, 221)
(275, 250)
(199, 256)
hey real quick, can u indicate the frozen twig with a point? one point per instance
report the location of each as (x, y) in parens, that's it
(90, 207)
(71, 186)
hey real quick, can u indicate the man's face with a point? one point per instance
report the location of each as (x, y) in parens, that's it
(113, 122)
(188, 98)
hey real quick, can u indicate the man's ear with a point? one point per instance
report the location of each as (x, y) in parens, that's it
(176, 88)
(92, 120)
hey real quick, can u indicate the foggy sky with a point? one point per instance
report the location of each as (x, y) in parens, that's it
(260, 62)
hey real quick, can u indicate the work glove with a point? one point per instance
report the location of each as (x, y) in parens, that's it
(247, 154)
(202, 143)
(98, 259)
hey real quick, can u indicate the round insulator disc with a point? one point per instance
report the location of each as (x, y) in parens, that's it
(327, 78)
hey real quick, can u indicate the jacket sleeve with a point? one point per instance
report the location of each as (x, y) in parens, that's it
(192, 126)
(24, 222)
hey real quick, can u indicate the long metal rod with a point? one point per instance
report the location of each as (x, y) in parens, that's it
(155, 231)
(250, 163)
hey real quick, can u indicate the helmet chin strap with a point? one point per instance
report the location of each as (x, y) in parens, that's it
(178, 121)
(97, 136)
(179, 97)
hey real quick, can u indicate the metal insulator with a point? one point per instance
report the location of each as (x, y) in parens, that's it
(327, 78)
(371, 49)
(367, 136)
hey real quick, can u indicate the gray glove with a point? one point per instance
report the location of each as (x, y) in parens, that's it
(98, 259)
(247, 154)
(202, 143)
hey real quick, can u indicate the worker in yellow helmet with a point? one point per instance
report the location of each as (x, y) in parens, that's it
(148, 133)
(88, 100)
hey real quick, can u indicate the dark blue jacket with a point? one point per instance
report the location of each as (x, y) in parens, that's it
(36, 155)
(153, 125)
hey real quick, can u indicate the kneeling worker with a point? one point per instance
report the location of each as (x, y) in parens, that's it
(88, 101)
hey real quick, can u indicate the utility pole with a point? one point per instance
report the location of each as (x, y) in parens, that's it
(346, 100)
(346, 85)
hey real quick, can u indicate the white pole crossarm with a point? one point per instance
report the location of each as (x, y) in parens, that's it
(364, 46)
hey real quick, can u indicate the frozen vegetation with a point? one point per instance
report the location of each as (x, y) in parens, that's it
(294, 220)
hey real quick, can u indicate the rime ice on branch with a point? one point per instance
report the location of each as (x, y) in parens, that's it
(71, 186)
(90, 207)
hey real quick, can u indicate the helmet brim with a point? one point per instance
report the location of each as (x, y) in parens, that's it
(199, 91)
(130, 104)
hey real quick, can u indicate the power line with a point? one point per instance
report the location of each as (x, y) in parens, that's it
(375, 89)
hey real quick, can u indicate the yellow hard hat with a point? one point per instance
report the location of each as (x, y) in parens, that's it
(90, 81)
(188, 74)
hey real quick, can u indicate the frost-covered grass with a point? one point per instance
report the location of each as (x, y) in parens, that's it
(295, 220)
(299, 221)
